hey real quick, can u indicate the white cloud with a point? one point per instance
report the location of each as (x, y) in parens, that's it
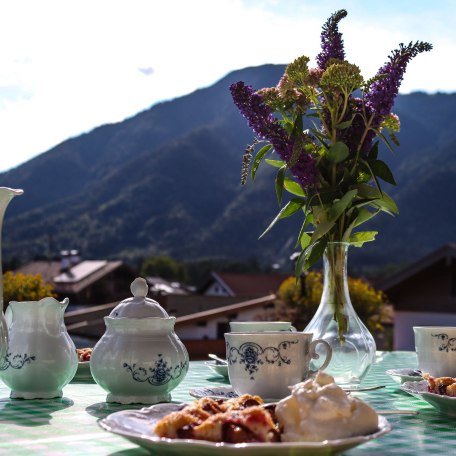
(69, 66)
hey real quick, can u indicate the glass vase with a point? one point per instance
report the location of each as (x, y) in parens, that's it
(336, 322)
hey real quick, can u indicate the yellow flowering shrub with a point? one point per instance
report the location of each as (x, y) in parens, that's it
(25, 287)
(303, 298)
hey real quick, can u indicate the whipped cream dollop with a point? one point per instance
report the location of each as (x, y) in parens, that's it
(320, 410)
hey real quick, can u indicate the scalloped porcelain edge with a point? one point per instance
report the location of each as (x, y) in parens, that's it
(137, 426)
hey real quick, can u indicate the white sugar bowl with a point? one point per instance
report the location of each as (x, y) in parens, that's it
(139, 359)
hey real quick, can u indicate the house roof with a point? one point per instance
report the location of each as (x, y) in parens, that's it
(248, 284)
(162, 286)
(75, 279)
(230, 309)
(47, 269)
(447, 253)
(90, 321)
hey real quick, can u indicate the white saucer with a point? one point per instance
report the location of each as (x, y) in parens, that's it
(219, 392)
(218, 368)
(405, 375)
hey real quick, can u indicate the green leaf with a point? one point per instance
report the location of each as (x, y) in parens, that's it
(300, 261)
(378, 199)
(373, 153)
(258, 158)
(338, 152)
(393, 138)
(293, 187)
(383, 138)
(290, 208)
(386, 204)
(358, 239)
(321, 229)
(339, 206)
(381, 170)
(315, 253)
(280, 177)
(275, 163)
(303, 237)
(364, 215)
(372, 174)
(319, 214)
(304, 240)
(344, 125)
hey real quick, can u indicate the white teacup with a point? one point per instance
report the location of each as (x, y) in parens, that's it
(267, 363)
(260, 326)
(436, 350)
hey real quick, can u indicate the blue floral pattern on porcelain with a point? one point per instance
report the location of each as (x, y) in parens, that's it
(16, 361)
(160, 374)
(253, 355)
(446, 343)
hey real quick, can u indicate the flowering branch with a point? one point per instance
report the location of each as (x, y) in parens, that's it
(325, 124)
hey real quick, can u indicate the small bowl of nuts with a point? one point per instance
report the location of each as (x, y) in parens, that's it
(83, 373)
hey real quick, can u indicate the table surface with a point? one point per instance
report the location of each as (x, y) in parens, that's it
(69, 425)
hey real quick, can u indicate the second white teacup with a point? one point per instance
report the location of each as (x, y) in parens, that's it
(260, 326)
(267, 363)
(436, 350)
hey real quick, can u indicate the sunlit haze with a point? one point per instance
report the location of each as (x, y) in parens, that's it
(67, 67)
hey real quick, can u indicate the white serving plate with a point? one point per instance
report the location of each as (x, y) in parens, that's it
(137, 426)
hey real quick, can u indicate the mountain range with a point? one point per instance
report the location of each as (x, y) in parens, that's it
(167, 181)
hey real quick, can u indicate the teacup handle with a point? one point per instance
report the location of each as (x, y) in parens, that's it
(315, 355)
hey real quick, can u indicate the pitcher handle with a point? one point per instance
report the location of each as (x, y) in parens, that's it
(315, 355)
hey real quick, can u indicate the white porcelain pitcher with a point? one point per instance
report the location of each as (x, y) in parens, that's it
(6, 195)
(41, 357)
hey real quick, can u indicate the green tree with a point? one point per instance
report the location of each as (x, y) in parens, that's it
(165, 267)
(25, 287)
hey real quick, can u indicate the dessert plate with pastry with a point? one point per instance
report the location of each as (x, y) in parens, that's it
(440, 392)
(318, 417)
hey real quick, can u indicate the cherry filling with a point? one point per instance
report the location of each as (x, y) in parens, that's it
(250, 403)
(185, 432)
(236, 433)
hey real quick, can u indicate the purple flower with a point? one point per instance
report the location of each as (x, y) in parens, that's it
(332, 45)
(380, 96)
(262, 122)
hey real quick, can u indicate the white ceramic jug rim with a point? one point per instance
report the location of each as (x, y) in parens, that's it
(47, 298)
(139, 319)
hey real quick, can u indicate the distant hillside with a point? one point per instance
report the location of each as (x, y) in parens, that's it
(167, 181)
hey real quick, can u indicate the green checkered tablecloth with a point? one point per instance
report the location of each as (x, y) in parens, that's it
(69, 425)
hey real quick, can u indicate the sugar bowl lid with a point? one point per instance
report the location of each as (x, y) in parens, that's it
(139, 306)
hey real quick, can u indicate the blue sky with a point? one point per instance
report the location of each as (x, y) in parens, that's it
(67, 67)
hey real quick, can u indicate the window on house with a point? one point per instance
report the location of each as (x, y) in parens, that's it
(222, 328)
